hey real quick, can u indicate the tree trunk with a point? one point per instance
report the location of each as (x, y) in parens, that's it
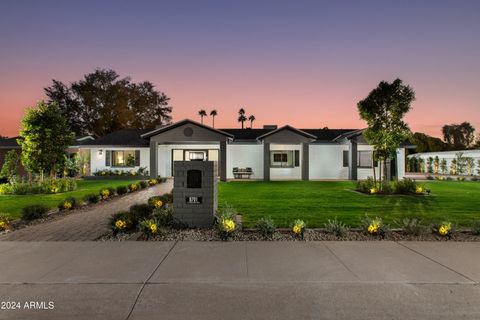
(380, 174)
(374, 173)
(385, 175)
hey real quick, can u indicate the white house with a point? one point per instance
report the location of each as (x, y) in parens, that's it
(270, 153)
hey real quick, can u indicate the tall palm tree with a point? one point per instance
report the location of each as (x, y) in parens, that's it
(202, 113)
(251, 118)
(213, 113)
(241, 116)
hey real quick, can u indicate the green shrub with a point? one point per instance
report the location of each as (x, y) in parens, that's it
(122, 222)
(476, 227)
(298, 228)
(149, 227)
(225, 222)
(140, 212)
(365, 185)
(167, 197)
(266, 226)
(91, 198)
(461, 178)
(157, 202)
(143, 184)
(69, 203)
(132, 187)
(35, 211)
(163, 217)
(122, 190)
(48, 186)
(4, 222)
(374, 226)
(411, 226)
(105, 193)
(112, 191)
(474, 178)
(405, 186)
(336, 227)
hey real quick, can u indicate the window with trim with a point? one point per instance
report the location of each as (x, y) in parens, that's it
(364, 159)
(125, 158)
(281, 159)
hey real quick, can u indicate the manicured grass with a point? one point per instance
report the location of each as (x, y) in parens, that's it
(12, 205)
(317, 201)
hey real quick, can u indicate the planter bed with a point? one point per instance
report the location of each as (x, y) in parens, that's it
(126, 177)
(286, 235)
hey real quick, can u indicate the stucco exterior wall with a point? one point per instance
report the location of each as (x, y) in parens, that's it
(449, 156)
(326, 161)
(97, 160)
(243, 156)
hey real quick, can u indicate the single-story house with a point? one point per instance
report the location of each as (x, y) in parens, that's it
(269, 153)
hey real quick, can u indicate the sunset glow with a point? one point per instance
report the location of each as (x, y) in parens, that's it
(302, 63)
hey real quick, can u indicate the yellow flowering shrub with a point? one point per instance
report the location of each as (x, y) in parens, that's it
(157, 203)
(298, 227)
(152, 182)
(228, 225)
(373, 190)
(133, 187)
(120, 224)
(419, 190)
(374, 226)
(4, 223)
(67, 205)
(149, 227)
(445, 229)
(105, 193)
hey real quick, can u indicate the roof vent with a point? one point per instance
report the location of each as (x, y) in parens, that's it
(270, 126)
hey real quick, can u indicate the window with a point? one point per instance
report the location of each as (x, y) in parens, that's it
(281, 159)
(297, 158)
(364, 159)
(345, 158)
(124, 158)
(196, 156)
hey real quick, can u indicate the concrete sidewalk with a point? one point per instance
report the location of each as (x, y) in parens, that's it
(242, 280)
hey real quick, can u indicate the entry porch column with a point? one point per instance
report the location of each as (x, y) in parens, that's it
(153, 159)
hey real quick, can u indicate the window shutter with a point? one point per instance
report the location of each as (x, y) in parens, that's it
(345, 158)
(297, 158)
(108, 158)
(137, 158)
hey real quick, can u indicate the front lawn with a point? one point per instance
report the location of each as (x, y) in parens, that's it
(317, 201)
(12, 205)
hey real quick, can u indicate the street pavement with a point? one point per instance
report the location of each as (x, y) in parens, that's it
(240, 280)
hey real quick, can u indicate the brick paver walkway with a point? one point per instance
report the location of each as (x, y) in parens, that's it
(85, 224)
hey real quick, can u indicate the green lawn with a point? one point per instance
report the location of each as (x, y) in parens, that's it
(317, 201)
(12, 205)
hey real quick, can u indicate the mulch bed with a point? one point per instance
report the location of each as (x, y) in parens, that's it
(286, 235)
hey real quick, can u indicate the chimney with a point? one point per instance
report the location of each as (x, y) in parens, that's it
(270, 126)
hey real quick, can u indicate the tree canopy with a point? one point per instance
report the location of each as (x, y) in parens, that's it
(426, 143)
(384, 109)
(102, 102)
(460, 136)
(44, 138)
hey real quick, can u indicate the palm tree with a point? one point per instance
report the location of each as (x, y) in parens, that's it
(213, 113)
(241, 116)
(251, 118)
(202, 113)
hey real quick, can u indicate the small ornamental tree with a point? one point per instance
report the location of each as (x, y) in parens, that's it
(45, 136)
(430, 165)
(470, 165)
(436, 165)
(10, 166)
(443, 166)
(384, 109)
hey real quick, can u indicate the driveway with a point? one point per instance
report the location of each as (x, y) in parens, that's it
(241, 280)
(88, 223)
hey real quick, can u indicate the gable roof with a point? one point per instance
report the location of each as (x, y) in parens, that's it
(287, 127)
(123, 137)
(181, 123)
(9, 143)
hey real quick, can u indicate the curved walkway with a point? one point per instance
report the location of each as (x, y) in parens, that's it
(85, 224)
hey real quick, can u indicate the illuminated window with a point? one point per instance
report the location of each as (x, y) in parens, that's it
(123, 158)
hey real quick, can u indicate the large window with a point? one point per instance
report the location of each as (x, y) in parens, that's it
(281, 159)
(364, 159)
(123, 158)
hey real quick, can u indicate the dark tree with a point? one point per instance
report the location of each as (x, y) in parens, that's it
(103, 102)
(213, 113)
(459, 136)
(426, 143)
(241, 116)
(202, 113)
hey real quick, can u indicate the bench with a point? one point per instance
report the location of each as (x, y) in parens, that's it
(242, 173)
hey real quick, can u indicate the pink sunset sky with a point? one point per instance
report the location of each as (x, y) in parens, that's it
(298, 63)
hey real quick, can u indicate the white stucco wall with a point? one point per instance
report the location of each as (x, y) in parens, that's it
(294, 173)
(401, 163)
(165, 155)
(97, 160)
(449, 156)
(326, 161)
(243, 156)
